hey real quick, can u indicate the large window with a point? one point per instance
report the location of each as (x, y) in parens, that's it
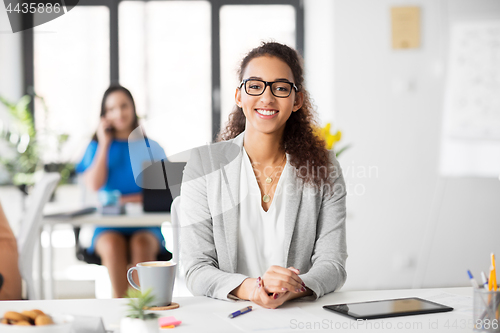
(165, 62)
(178, 58)
(241, 29)
(71, 56)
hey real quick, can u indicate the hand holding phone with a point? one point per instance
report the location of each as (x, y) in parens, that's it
(105, 131)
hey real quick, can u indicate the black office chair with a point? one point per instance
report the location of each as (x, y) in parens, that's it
(92, 258)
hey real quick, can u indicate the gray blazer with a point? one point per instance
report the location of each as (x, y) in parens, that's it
(315, 240)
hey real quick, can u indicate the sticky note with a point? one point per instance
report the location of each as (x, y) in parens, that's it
(168, 321)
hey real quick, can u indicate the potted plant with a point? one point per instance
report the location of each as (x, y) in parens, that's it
(21, 160)
(137, 321)
(21, 140)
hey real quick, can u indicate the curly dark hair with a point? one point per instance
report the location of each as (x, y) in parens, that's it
(308, 153)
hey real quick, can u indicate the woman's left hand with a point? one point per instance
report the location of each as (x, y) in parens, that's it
(278, 279)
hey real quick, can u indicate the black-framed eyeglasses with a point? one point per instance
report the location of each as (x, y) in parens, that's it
(256, 87)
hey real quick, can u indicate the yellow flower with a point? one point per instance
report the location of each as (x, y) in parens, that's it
(330, 139)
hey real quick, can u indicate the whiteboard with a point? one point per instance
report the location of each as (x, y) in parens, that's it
(470, 144)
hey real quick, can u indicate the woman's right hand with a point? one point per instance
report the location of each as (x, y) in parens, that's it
(260, 297)
(104, 136)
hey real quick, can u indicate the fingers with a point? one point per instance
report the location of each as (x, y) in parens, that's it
(279, 279)
(104, 122)
(279, 286)
(102, 134)
(260, 297)
(287, 272)
(278, 295)
(269, 301)
(253, 294)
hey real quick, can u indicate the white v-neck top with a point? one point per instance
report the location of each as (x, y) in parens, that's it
(260, 233)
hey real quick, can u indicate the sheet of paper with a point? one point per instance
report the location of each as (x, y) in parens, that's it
(270, 320)
(405, 27)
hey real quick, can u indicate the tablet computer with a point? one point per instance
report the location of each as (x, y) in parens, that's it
(387, 308)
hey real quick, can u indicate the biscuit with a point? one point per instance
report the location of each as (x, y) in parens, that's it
(40, 312)
(16, 316)
(43, 320)
(30, 314)
(4, 321)
(22, 323)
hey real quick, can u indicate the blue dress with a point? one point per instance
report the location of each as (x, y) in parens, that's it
(121, 177)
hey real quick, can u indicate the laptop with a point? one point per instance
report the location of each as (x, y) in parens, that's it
(161, 184)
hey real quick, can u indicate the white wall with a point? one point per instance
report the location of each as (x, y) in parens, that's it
(388, 103)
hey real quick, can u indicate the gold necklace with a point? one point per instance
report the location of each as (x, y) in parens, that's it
(267, 197)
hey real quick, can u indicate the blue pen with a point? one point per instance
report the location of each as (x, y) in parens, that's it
(240, 312)
(472, 281)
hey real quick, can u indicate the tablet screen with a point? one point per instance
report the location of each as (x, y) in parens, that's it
(388, 308)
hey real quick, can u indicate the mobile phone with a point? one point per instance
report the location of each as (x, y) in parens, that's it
(110, 128)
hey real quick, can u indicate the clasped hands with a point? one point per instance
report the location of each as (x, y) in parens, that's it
(274, 288)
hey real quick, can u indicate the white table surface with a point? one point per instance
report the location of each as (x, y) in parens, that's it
(134, 216)
(201, 314)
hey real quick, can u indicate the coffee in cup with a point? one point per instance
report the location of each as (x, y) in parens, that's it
(159, 276)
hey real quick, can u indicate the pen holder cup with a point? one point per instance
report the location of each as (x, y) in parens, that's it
(486, 314)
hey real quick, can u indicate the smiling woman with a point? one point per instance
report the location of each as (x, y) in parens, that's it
(307, 151)
(269, 224)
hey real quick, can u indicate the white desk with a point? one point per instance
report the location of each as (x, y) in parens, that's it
(133, 218)
(201, 314)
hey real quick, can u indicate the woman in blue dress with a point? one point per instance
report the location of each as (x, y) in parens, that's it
(106, 166)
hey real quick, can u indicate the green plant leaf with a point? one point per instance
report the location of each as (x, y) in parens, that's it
(341, 150)
(137, 302)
